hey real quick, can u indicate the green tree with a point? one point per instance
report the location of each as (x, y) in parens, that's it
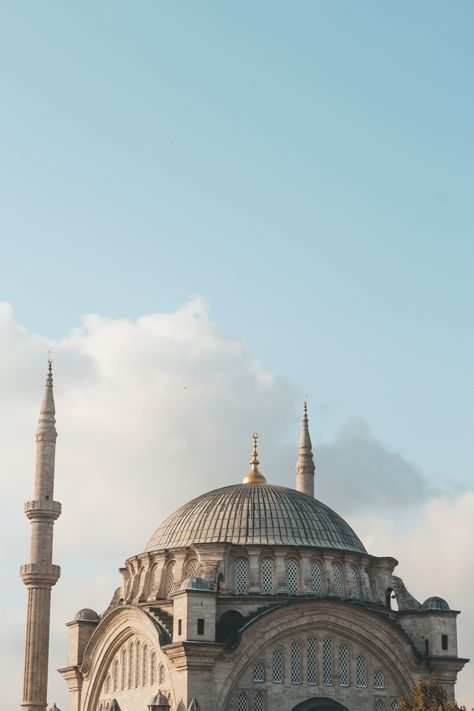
(427, 697)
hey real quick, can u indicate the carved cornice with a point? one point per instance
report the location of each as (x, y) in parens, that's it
(193, 655)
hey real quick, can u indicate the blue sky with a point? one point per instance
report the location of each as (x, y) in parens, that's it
(306, 168)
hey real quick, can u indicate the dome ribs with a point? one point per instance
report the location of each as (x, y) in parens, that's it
(260, 514)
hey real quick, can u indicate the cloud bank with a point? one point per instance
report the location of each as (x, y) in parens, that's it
(155, 411)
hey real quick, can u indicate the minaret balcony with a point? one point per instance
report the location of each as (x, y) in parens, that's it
(40, 574)
(42, 510)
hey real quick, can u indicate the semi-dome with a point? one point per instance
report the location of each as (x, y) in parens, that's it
(255, 513)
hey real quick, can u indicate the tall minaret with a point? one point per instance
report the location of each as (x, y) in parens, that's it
(304, 461)
(39, 575)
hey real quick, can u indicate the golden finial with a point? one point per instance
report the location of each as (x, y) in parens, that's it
(254, 476)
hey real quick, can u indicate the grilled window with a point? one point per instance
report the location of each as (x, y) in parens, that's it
(327, 662)
(243, 702)
(266, 577)
(343, 665)
(361, 671)
(277, 666)
(259, 703)
(241, 568)
(355, 581)
(379, 681)
(312, 660)
(170, 580)
(292, 572)
(316, 578)
(337, 579)
(394, 705)
(259, 673)
(296, 663)
(379, 705)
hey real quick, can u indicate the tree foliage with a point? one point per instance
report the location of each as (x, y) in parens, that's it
(428, 697)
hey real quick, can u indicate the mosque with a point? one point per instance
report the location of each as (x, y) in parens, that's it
(252, 597)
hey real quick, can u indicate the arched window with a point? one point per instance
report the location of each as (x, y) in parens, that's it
(259, 703)
(316, 578)
(379, 681)
(293, 575)
(170, 579)
(145, 665)
(343, 665)
(108, 684)
(123, 671)
(161, 674)
(296, 663)
(192, 568)
(327, 662)
(312, 660)
(266, 577)
(259, 673)
(337, 579)
(153, 668)
(394, 705)
(278, 665)
(115, 675)
(379, 705)
(361, 671)
(241, 576)
(130, 666)
(243, 702)
(355, 581)
(138, 656)
(101, 707)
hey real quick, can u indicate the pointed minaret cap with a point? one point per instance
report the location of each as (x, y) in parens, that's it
(194, 705)
(47, 421)
(304, 462)
(254, 476)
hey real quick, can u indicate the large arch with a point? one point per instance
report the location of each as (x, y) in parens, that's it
(372, 631)
(115, 628)
(320, 704)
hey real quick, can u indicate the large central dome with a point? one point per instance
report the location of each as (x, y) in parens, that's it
(255, 513)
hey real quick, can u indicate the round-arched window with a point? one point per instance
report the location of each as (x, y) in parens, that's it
(266, 577)
(241, 575)
(293, 576)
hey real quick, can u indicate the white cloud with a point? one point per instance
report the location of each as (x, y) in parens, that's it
(151, 413)
(435, 558)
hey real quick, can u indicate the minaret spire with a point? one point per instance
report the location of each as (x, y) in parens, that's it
(304, 462)
(39, 575)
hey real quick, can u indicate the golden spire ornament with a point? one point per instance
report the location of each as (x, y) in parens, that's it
(254, 476)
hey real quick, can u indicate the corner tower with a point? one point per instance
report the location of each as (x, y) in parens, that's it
(39, 575)
(304, 462)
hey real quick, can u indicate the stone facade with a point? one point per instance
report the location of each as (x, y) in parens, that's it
(327, 632)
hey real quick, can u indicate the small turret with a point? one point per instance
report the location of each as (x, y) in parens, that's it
(304, 462)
